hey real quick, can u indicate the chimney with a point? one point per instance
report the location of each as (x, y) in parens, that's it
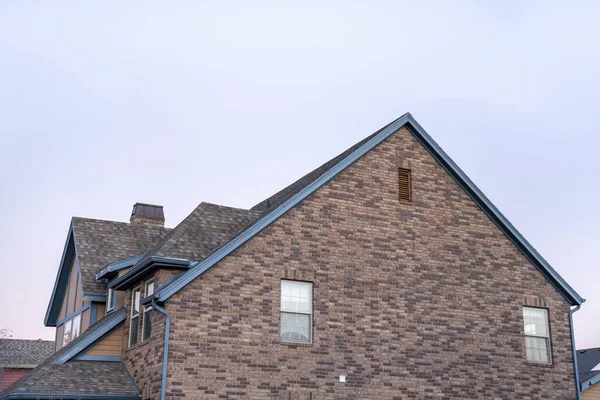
(147, 214)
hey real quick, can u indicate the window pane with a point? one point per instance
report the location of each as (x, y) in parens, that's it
(147, 324)
(133, 331)
(76, 328)
(536, 321)
(67, 332)
(136, 302)
(295, 327)
(537, 349)
(296, 296)
(149, 289)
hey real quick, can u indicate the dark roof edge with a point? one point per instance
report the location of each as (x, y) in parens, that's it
(118, 265)
(589, 383)
(61, 281)
(445, 161)
(118, 317)
(71, 396)
(135, 274)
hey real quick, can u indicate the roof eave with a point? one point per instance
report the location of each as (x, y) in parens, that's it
(134, 275)
(69, 252)
(439, 155)
(118, 266)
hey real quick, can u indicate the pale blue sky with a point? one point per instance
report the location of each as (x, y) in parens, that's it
(103, 104)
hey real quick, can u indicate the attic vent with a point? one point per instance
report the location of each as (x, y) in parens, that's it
(404, 191)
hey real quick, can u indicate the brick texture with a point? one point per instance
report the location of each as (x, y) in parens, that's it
(419, 300)
(8, 376)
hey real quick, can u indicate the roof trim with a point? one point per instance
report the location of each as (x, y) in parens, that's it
(117, 266)
(95, 297)
(440, 156)
(119, 317)
(135, 274)
(62, 279)
(589, 383)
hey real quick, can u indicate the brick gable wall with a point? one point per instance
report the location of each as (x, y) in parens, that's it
(8, 376)
(411, 300)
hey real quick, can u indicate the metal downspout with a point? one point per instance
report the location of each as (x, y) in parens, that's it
(163, 388)
(571, 312)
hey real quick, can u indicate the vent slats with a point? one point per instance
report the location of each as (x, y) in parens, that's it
(404, 189)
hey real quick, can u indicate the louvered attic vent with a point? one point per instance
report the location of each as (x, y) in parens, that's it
(404, 184)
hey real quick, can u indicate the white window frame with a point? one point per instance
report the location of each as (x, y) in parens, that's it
(71, 323)
(546, 336)
(110, 300)
(147, 309)
(133, 316)
(283, 310)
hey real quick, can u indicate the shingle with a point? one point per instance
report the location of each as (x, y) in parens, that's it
(20, 353)
(83, 377)
(206, 228)
(99, 243)
(587, 359)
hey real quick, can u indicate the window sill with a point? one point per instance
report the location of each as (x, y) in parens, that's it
(295, 344)
(539, 364)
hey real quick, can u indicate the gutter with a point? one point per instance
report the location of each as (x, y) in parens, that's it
(571, 312)
(163, 386)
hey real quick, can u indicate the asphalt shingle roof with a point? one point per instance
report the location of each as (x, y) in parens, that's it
(76, 377)
(21, 353)
(587, 359)
(99, 243)
(209, 226)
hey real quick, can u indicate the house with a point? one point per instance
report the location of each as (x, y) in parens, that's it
(19, 356)
(588, 362)
(383, 274)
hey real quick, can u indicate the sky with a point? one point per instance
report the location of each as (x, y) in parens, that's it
(103, 104)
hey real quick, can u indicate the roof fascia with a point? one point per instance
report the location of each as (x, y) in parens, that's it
(95, 297)
(590, 382)
(135, 274)
(572, 297)
(62, 279)
(92, 338)
(118, 266)
(439, 155)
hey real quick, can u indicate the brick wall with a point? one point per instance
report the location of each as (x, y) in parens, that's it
(411, 300)
(8, 376)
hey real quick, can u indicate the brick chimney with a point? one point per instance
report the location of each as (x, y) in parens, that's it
(147, 214)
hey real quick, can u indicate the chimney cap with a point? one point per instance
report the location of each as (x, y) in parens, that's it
(147, 213)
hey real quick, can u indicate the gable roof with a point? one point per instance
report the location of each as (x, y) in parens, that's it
(95, 244)
(21, 353)
(99, 243)
(277, 205)
(205, 229)
(61, 376)
(587, 361)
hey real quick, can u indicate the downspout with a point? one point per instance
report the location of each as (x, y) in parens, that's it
(571, 312)
(163, 389)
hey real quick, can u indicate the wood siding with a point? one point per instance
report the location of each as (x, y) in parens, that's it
(592, 393)
(59, 337)
(85, 320)
(109, 345)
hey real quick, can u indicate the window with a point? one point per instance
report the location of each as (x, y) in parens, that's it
(147, 321)
(404, 189)
(111, 301)
(296, 312)
(71, 329)
(537, 335)
(135, 316)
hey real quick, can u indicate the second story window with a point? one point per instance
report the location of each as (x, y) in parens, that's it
(147, 321)
(537, 335)
(296, 312)
(71, 329)
(111, 301)
(135, 316)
